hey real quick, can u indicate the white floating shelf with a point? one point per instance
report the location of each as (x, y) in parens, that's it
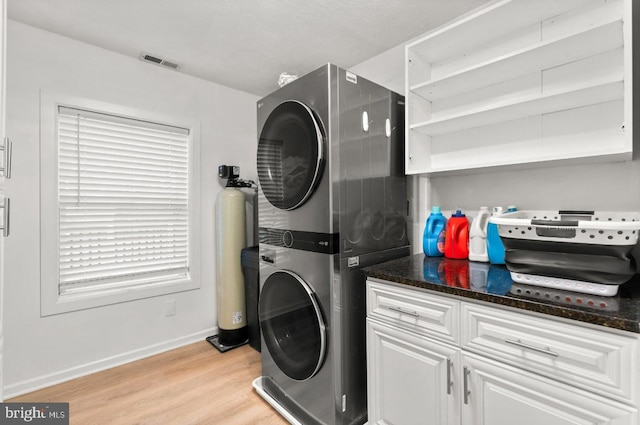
(539, 57)
(529, 161)
(524, 107)
(477, 29)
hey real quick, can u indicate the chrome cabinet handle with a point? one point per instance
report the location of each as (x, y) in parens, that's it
(6, 213)
(7, 153)
(519, 343)
(467, 392)
(403, 311)
(449, 381)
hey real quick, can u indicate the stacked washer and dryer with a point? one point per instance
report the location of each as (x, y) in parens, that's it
(332, 199)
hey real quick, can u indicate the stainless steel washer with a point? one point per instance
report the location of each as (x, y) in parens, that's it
(332, 200)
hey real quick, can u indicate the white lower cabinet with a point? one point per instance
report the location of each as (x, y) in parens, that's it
(498, 394)
(410, 378)
(414, 377)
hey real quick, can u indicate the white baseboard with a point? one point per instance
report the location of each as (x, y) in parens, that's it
(44, 381)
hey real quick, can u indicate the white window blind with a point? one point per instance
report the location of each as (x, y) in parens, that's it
(123, 201)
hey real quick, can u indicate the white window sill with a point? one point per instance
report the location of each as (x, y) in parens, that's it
(69, 302)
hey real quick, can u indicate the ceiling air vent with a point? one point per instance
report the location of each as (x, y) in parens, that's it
(158, 61)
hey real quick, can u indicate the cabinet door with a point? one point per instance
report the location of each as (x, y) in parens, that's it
(503, 395)
(3, 29)
(411, 380)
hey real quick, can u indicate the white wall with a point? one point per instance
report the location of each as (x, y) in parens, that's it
(386, 69)
(593, 186)
(39, 350)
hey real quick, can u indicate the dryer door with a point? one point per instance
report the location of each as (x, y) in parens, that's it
(292, 325)
(290, 155)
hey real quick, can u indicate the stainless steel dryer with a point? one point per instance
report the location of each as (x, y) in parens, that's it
(332, 200)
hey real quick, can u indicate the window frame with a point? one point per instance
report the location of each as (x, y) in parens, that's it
(52, 302)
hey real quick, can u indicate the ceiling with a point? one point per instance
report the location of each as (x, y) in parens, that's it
(244, 44)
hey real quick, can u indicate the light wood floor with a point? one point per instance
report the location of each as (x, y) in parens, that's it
(195, 384)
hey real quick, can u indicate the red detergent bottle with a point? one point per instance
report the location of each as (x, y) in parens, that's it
(456, 240)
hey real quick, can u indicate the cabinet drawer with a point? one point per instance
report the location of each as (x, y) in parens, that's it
(414, 310)
(596, 360)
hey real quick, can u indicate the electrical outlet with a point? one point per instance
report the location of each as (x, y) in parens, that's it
(169, 308)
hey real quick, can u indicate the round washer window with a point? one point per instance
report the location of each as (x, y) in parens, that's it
(290, 155)
(292, 325)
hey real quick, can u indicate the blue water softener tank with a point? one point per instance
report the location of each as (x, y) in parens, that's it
(432, 244)
(495, 247)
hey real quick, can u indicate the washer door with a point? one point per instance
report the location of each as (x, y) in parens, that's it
(292, 325)
(290, 155)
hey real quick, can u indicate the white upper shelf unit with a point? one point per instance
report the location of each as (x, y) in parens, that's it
(517, 59)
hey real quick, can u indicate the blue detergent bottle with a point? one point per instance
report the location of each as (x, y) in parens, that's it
(495, 247)
(431, 239)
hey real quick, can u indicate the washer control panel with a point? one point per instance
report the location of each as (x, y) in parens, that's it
(326, 243)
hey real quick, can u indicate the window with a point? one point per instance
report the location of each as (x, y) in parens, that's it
(123, 208)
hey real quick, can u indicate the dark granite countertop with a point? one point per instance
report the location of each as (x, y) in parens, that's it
(492, 283)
